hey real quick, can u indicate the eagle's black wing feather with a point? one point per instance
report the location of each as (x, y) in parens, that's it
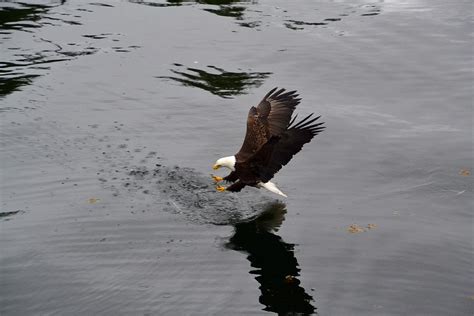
(279, 150)
(276, 109)
(270, 118)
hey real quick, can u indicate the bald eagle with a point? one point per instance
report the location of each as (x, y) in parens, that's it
(272, 139)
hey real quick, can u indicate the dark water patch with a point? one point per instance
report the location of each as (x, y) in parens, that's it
(306, 23)
(220, 82)
(238, 9)
(229, 11)
(372, 10)
(174, 3)
(223, 2)
(8, 108)
(119, 49)
(292, 27)
(85, 52)
(250, 24)
(28, 66)
(84, 10)
(9, 85)
(6, 215)
(98, 36)
(27, 16)
(70, 22)
(256, 18)
(127, 49)
(333, 19)
(190, 2)
(160, 4)
(100, 4)
(225, 8)
(348, 12)
(21, 16)
(272, 261)
(370, 14)
(29, 60)
(23, 64)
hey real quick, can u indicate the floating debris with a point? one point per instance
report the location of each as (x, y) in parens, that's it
(465, 172)
(354, 228)
(93, 200)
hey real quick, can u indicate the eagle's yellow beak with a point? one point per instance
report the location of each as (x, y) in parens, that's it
(215, 167)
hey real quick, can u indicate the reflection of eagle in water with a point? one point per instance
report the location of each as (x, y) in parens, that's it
(272, 139)
(273, 262)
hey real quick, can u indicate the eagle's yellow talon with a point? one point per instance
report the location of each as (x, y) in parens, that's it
(217, 178)
(220, 188)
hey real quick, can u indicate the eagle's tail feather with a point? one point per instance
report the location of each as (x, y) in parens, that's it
(270, 186)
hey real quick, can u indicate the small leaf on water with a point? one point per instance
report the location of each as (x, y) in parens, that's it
(93, 200)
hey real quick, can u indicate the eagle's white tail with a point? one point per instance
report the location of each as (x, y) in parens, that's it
(270, 186)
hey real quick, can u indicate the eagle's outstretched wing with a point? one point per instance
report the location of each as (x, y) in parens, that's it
(270, 118)
(277, 108)
(279, 150)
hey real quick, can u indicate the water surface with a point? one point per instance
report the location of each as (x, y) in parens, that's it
(113, 112)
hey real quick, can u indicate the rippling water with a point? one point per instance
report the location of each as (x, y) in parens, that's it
(112, 113)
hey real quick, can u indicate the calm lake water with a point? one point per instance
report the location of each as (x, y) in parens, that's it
(113, 112)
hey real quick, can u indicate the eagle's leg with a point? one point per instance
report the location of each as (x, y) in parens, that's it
(231, 177)
(235, 187)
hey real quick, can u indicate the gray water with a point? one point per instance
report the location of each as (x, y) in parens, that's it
(113, 112)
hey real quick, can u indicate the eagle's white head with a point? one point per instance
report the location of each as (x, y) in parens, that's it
(228, 162)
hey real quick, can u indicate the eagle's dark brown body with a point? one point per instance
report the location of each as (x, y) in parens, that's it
(271, 140)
